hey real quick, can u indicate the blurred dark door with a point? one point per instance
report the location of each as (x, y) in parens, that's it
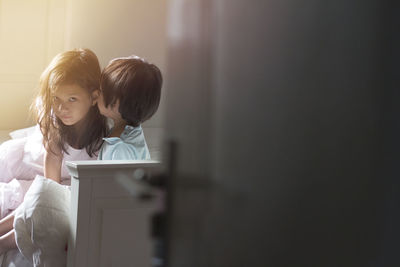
(285, 115)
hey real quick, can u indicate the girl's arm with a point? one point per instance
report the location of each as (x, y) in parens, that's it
(52, 163)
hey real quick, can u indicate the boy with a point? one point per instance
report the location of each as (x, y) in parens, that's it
(130, 94)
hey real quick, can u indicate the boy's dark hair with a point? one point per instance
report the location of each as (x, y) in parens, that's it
(136, 84)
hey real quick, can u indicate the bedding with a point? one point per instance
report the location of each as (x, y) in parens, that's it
(42, 223)
(12, 258)
(33, 251)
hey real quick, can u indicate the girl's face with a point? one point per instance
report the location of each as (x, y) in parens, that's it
(71, 103)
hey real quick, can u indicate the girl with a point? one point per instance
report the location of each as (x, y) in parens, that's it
(69, 121)
(67, 112)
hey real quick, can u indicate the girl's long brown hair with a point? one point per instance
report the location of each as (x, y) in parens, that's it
(80, 67)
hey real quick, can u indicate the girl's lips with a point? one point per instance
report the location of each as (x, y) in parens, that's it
(65, 117)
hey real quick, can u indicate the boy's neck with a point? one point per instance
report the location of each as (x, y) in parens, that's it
(119, 127)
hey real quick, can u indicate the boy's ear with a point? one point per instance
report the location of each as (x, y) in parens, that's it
(95, 97)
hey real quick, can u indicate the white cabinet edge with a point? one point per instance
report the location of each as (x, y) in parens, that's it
(103, 168)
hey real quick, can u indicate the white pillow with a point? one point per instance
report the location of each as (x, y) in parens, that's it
(41, 223)
(21, 133)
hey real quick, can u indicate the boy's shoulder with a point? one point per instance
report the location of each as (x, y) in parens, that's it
(131, 145)
(117, 150)
(124, 151)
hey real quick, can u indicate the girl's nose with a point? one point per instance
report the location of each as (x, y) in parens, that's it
(62, 107)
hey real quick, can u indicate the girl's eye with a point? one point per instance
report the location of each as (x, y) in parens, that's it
(72, 99)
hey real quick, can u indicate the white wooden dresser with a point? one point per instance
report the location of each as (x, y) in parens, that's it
(111, 210)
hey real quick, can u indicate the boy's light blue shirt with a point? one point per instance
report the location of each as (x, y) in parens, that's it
(131, 145)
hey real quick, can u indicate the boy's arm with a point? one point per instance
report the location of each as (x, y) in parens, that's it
(52, 164)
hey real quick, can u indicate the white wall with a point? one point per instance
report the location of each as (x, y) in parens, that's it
(33, 32)
(120, 28)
